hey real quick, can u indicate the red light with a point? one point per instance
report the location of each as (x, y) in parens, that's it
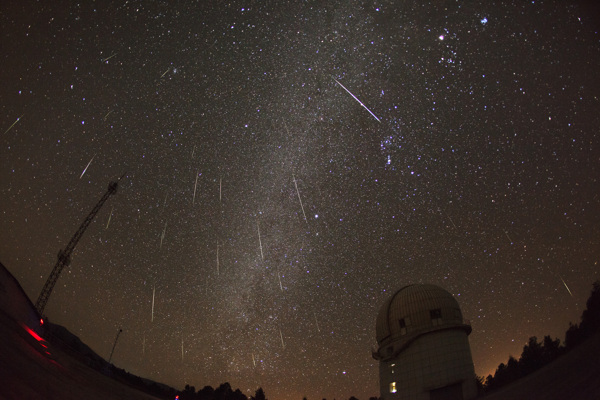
(32, 333)
(41, 321)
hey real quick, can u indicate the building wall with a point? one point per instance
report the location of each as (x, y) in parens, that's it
(434, 360)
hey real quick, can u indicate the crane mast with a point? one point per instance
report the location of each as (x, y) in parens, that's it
(114, 345)
(64, 256)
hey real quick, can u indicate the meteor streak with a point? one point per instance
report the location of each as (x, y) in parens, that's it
(14, 123)
(563, 281)
(317, 322)
(195, 186)
(162, 237)
(453, 224)
(281, 335)
(110, 216)
(107, 114)
(220, 187)
(260, 242)
(355, 98)
(253, 360)
(108, 58)
(509, 239)
(298, 192)
(86, 167)
(153, 292)
(164, 73)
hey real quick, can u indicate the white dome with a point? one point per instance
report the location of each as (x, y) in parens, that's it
(414, 310)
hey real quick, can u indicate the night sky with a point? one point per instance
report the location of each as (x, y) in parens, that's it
(270, 212)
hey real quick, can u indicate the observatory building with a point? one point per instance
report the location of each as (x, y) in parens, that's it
(424, 351)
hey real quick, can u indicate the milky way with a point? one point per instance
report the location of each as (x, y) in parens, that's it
(266, 213)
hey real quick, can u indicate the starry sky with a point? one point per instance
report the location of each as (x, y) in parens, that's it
(290, 165)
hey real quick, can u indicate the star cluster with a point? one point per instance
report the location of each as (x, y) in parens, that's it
(288, 167)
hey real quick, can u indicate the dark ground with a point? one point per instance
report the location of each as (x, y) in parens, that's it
(573, 376)
(27, 371)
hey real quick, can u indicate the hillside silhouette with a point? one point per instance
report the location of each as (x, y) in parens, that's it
(551, 370)
(47, 361)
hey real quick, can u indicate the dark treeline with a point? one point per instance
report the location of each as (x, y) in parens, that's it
(223, 392)
(61, 337)
(353, 398)
(536, 354)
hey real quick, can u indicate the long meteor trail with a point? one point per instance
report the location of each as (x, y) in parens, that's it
(162, 237)
(86, 167)
(355, 98)
(195, 186)
(298, 192)
(564, 283)
(110, 216)
(108, 58)
(14, 123)
(153, 291)
(260, 241)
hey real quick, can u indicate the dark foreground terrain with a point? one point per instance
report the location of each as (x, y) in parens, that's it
(575, 375)
(32, 368)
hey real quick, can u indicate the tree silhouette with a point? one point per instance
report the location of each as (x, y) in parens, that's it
(238, 395)
(206, 393)
(536, 355)
(551, 349)
(573, 336)
(590, 320)
(223, 392)
(259, 394)
(189, 393)
(531, 358)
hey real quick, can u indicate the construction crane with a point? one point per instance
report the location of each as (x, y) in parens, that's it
(64, 256)
(114, 345)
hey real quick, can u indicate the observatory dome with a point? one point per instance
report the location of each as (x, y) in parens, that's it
(423, 349)
(416, 306)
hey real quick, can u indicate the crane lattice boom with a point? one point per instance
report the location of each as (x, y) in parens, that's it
(64, 256)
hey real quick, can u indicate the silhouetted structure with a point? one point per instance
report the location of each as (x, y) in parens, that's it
(64, 256)
(114, 345)
(423, 349)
